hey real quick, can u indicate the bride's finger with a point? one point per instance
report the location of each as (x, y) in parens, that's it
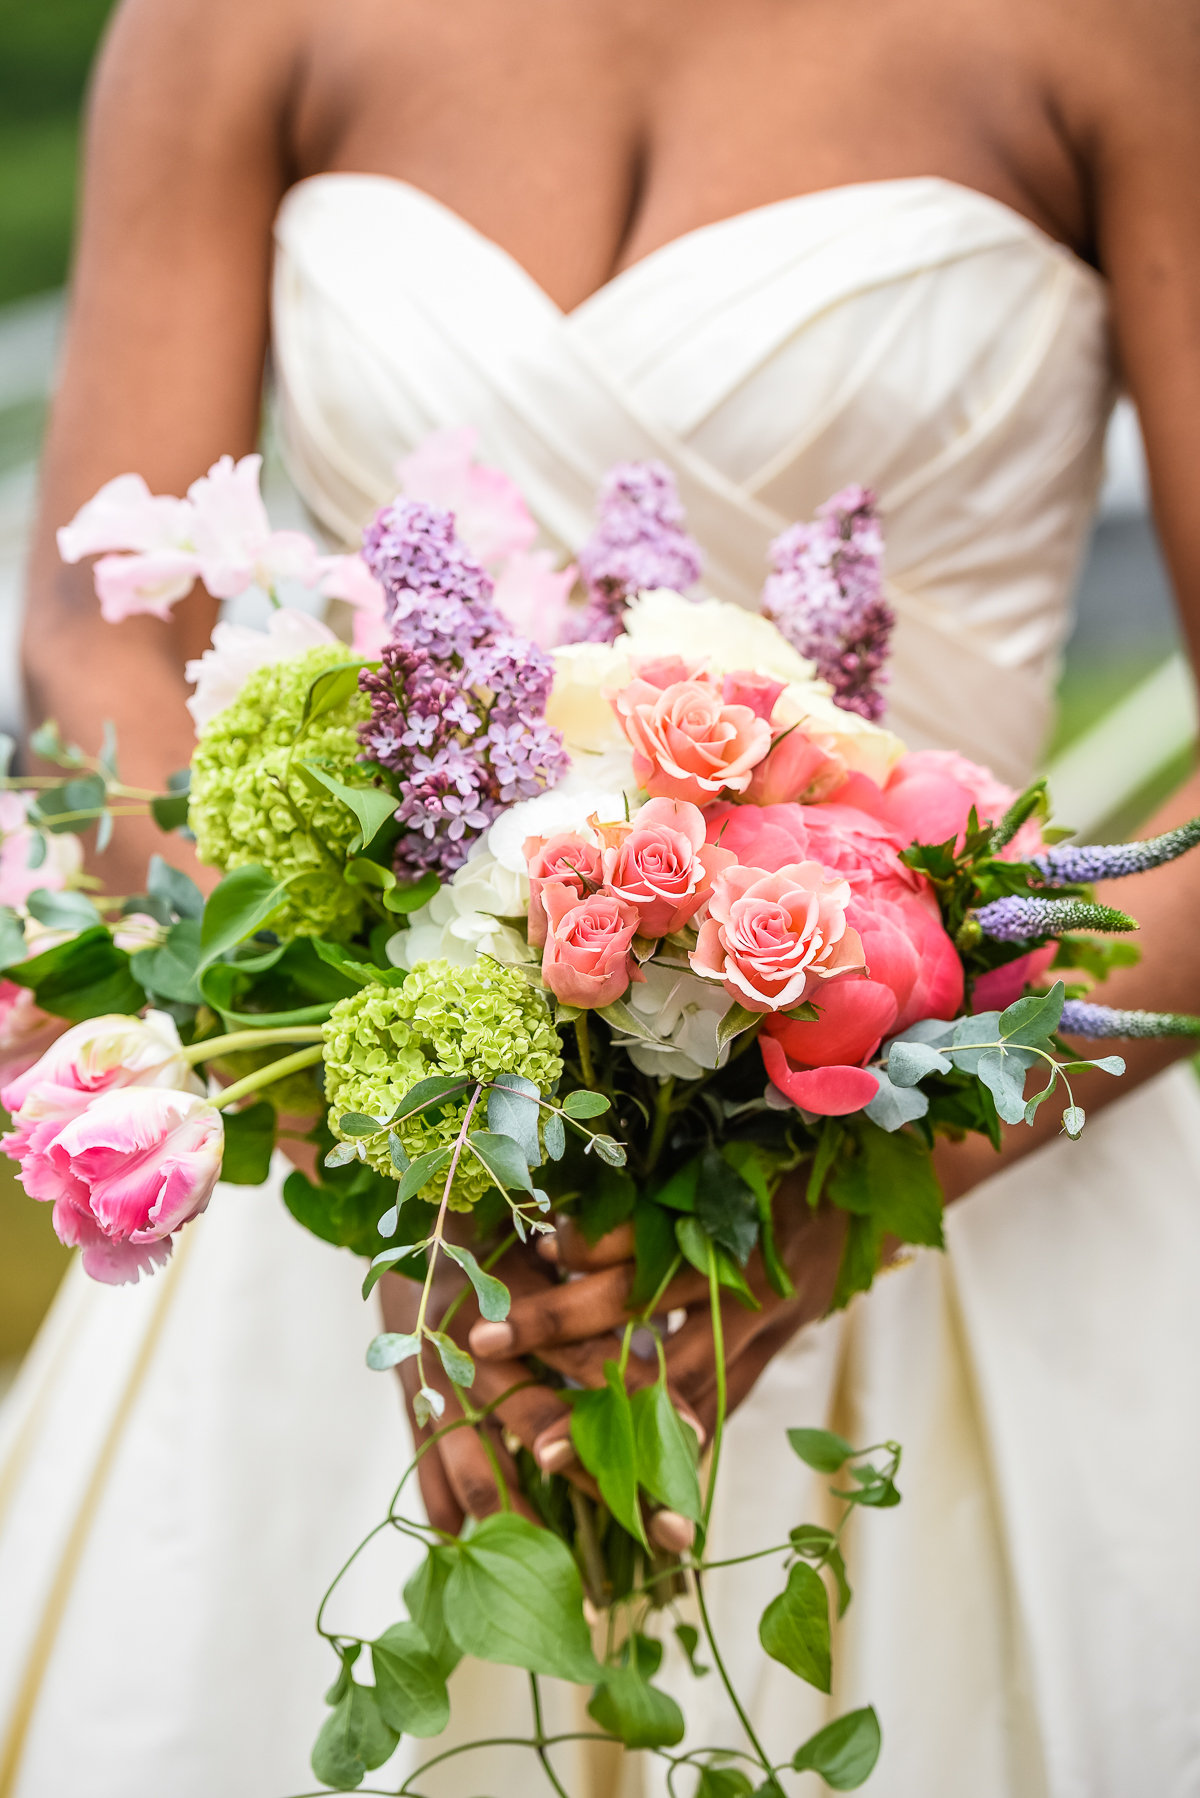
(579, 1256)
(591, 1305)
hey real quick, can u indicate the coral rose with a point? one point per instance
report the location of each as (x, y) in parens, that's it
(687, 742)
(571, 859)
(587, 959)
(771, 938)
(661, 864)
(127, 1173)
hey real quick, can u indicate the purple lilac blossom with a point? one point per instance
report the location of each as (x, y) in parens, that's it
(639, 542)
(458, 701)
(1070, 864)
(826, 596)
(1019, 918)
(1081, 1018)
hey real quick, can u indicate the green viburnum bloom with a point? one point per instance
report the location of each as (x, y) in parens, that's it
(481, 1020)
(247, 805)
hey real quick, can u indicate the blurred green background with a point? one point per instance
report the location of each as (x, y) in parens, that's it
(46, 46)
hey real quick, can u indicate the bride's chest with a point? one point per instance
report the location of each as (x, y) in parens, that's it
(583, 136)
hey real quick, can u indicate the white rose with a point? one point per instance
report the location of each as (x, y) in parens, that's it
(683, 1011)
(560, 809)
(577, 706)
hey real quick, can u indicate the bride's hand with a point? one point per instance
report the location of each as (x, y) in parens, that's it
(580, 1319)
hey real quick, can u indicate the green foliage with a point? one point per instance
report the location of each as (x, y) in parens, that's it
(637, 1713)
(723, 1782)
(602, 1431)
(844, 1753)
(886, 1181)
(343, 1207)
(514, 1596)
(410, 1687)
(249, 1144)
(794, 1628)
(820, 1449)
(424, 1594)
(666, 1451)
(353, 1740)
(83, 978)
(492, 1294)
(608, 1200)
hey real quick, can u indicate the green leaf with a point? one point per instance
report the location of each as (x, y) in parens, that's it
(736, 1020)
(1073, 1121)
(362, 973)
(423, 1169)
(909, 1062)
(356, 1123)
(47, 743)
(249, 1144)
(343, 1208)
(423, 1595)
(170, 811)
(390, 1258)
(1031, 1022)
(410, 1687)
(795, 1627)
(603, 1434)
(12, 937)
(618, 1016)
(64, 910)
(607, 1201)
(697, 1247)
(245, 900)
(679, 1193)
(83, 978)
(583, 1103)
(860, 1260)
(554, 1136)
(169, 971)
(390, 1349)
(636, 1712)
(372, 806)
(821, 1449)
(409, 896)
(844, 1753)
(502, 1158)
(667, 1451)
(894, 1106)
(354, 1739)
(723, 1782)
(174, 888)
(429, 1095)
(328, 691)
(688, 1637)
(654, 1249)
(890, 1180)
(458, 1364)
(349, 1654)
(1004, 1078)
(58, 808)
(609, 1150)
(492, 1294)
(514, 1596)
(512, 1110)
(725, 1206)
(820, 1545)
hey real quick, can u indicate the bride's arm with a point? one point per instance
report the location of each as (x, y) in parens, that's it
(164, 352)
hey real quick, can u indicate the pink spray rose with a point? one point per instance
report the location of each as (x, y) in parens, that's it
(587, 959)
(746, 687)
(128, 1172)
(92, 1058)
(661, 864)
(772, 939)
(688, 742)
(567, 858)
(801, 766)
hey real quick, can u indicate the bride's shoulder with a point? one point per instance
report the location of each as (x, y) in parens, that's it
(1106, 52)
(205, 57)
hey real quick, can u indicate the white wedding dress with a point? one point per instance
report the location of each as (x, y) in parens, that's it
(185, 1464)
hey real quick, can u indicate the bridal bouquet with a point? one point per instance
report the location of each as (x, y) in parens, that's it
(651, 926)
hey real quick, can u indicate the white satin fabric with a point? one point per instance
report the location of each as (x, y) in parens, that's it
(187, 1462)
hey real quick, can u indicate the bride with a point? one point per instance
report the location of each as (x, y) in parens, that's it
(781, 247)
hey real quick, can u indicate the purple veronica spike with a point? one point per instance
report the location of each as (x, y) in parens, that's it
(457, 703)
(1070, 864)
(1081, 1018)
(1019, 919)
(640, 541)
(826, 596)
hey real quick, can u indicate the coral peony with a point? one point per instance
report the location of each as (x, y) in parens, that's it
(587, 959)
(772, 938)
(128, 1172)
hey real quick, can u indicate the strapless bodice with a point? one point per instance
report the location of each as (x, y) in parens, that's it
(912, 335)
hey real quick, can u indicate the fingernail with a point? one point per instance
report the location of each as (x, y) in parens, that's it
(671, 1531)
(555, 1455)
(693, 1422)
(492, 1339)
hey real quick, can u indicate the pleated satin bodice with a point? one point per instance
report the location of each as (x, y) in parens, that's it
(912, 335)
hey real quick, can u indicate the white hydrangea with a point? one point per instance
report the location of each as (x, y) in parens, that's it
(683, 1011)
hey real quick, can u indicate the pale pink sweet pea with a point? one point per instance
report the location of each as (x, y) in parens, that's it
(569, 859)
(150, 584)
(232, 534)
(773, 940)
(127, 1173)
(687, 742)
(490, 515)
(348, 578)
(223, 670)
(587, 959)
(125, 515)
(95, 1057)
(660, 863)
(30, 858)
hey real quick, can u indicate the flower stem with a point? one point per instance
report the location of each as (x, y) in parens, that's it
(539, 1734)
(275, 1070)
(662, 1123)
(435, 1239)
(585, 1049)
(212, 1046)
(718, 1333)
(722, 1674)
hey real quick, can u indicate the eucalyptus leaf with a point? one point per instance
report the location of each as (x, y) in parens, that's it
(1032, 1021)
(425, 1168)
(908, 1062)
(65, 910)
(514, 1596)
(169, 970)
(390, 1349)
(794, 1628)
(493, 1295)
(609, 1150)
(170, 884)
(342, 1154)
(356, 1123)
(583, 1103)
(513, 1108)
(383, 1263)
(428, 1406)
(1004, 1078)
(554, 1136)
(894, 1106)
(458, 1365)
(502, 1158)
(1073, 1121)
(12, 937)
